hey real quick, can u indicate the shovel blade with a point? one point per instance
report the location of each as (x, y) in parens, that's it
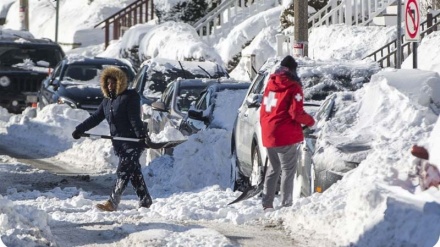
(159, 145)
(248, 193)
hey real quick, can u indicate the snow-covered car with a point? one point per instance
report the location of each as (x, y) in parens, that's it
(75, 82)
(155, 74)
(317, 170)
(247, 148)
(168, 112)
(215, 108)
(24, 63)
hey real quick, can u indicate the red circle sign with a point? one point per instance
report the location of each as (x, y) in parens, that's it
(412, 18)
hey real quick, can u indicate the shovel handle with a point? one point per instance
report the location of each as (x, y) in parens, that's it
(116, 138)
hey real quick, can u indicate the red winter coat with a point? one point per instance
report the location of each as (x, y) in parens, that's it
(282, 112)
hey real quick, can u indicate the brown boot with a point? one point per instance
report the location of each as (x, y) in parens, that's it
(107, 206)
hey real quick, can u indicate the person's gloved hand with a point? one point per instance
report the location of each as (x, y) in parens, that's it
(76, 134)
(307, 131)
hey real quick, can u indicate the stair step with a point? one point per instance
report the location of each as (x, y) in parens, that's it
(392, 9)
(385, 20)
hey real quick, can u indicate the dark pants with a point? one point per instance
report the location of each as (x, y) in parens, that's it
(129, 169)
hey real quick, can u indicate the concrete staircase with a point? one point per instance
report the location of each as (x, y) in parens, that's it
(349, 12)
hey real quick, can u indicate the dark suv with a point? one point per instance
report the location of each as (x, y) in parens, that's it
(76, 82)
(24, 63)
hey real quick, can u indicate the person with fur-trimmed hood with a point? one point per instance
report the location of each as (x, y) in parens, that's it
(121, 108)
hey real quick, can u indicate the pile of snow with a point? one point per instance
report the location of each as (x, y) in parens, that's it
(161, 42)
(331, 42)
(377, 203)
(49, 134)
(394, 109)
(28, 222)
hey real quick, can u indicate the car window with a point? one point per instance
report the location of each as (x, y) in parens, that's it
(258, 84)
(137, 83)
(57, 71)
(162, 72)
(16, 54)
(168, 95)
(82, 74)
(186, 96)
(88, 73)
(201, 102)
(326, 109)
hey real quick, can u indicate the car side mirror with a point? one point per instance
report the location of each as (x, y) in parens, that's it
(254, 100)
(159, 106)
(197, 115)
(54, 83)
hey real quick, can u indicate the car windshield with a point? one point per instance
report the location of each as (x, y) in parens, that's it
(87, 74)
(163, 71)
(16, 55)
(326, 108)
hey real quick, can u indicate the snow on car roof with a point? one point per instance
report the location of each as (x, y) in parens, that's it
(163, 64)
(9, 33)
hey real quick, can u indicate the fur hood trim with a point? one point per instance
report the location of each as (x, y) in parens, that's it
(119, 75)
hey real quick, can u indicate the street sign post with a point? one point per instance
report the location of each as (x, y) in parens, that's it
(412, 26)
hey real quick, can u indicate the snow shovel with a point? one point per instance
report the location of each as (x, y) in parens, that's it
(253, 190)
(150, 144)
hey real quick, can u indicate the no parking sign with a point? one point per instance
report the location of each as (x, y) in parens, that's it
(412, 20)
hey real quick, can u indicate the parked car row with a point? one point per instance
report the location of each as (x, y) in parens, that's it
(183, 95)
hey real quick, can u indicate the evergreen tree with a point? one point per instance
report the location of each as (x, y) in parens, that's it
(188, 12)
(287, 16)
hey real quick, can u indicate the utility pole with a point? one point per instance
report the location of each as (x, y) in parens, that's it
(399, 35)
(57, 15)
(24, 14)
(301, 31)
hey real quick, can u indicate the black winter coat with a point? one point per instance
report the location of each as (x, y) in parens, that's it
(121, 112)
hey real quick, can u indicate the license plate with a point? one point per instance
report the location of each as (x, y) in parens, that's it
(31, 98)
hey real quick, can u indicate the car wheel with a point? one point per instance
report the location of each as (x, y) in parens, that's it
(257, 167)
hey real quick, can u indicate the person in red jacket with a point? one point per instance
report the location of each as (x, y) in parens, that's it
(281, 118)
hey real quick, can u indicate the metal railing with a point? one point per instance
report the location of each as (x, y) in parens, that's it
(140, 11)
